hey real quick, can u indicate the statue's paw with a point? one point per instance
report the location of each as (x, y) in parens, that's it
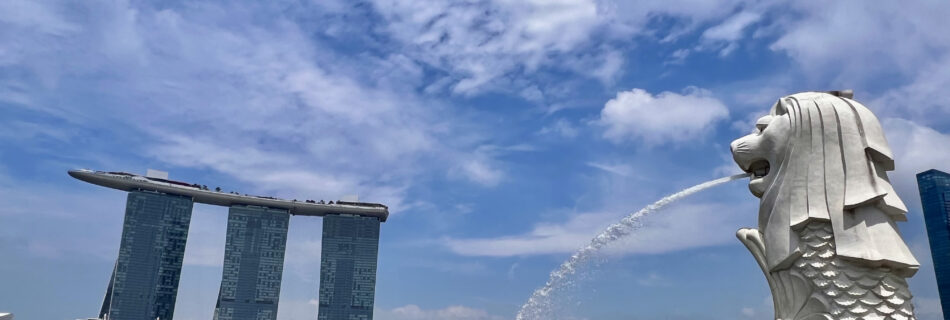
(752, 239)
(747, 232)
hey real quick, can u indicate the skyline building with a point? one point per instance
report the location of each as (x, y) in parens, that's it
(144, 282)
(145, 278)
(934, 186)
(253, 263)
(348, 260)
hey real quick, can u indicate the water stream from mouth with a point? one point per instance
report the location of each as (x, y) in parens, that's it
(539, 306)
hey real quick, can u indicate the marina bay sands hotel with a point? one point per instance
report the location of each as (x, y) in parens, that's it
(144, 282)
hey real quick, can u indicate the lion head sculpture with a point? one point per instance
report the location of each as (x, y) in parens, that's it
(821, 156)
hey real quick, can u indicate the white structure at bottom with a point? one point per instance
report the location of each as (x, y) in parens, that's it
(6, 316)
(827, 238)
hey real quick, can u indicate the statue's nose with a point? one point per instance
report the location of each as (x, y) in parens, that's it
(741, 158)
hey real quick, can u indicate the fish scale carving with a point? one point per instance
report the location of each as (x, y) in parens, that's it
(850, 291)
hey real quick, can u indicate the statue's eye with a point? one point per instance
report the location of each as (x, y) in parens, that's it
(762, 123)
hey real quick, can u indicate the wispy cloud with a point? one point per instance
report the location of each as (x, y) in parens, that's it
(653, 279)
(676, 228)
(256, 105)
(561, 127)
(724, 37)
(618, 169)
(414, 312)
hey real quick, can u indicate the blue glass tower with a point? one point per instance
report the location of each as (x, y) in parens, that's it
(935, 198)
(253, 263)
(144, 283)
(348, 267)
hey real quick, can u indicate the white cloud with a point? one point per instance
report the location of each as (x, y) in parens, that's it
(58, 230)
(618, 169)
(479, 169)
(478, 42)
(850, 42)
(604, 64)
(924, 99)
(482, 166)
(297, 309)
(724, 37)
(414, 312)
(206, 237)
(732, 29)
(544, 238)
(511, 271)
(266, 106)
(665, 118)
(928, 308)
(748, 312)
(916, 148)
(483, 45)
(675, 228)
(653, 279)
(678, 57)
(561, 127)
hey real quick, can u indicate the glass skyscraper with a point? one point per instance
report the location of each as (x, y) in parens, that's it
(144, 283)
(348, 267)
(253, 263)
(935, 198)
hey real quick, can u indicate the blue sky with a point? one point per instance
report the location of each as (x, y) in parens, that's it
(502, 134)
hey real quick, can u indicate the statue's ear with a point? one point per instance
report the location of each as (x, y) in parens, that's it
(780, 108)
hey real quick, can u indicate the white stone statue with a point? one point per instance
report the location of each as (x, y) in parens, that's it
(827, 239)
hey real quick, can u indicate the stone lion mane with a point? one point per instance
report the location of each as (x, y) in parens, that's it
(834, 169)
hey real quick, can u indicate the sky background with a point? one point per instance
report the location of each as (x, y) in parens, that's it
(502, 135)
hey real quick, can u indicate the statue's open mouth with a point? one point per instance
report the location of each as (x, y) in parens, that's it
(759, 169)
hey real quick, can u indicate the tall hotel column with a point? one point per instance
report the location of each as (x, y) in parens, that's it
(253, 263)
(934, 189)
(348, 267)
(144, 283)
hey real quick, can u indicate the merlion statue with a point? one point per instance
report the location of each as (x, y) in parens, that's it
(827, 239)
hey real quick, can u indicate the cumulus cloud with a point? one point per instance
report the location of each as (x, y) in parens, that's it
(668, 117)
(414, 312)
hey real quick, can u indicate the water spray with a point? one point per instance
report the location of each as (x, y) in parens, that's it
(540, 304)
